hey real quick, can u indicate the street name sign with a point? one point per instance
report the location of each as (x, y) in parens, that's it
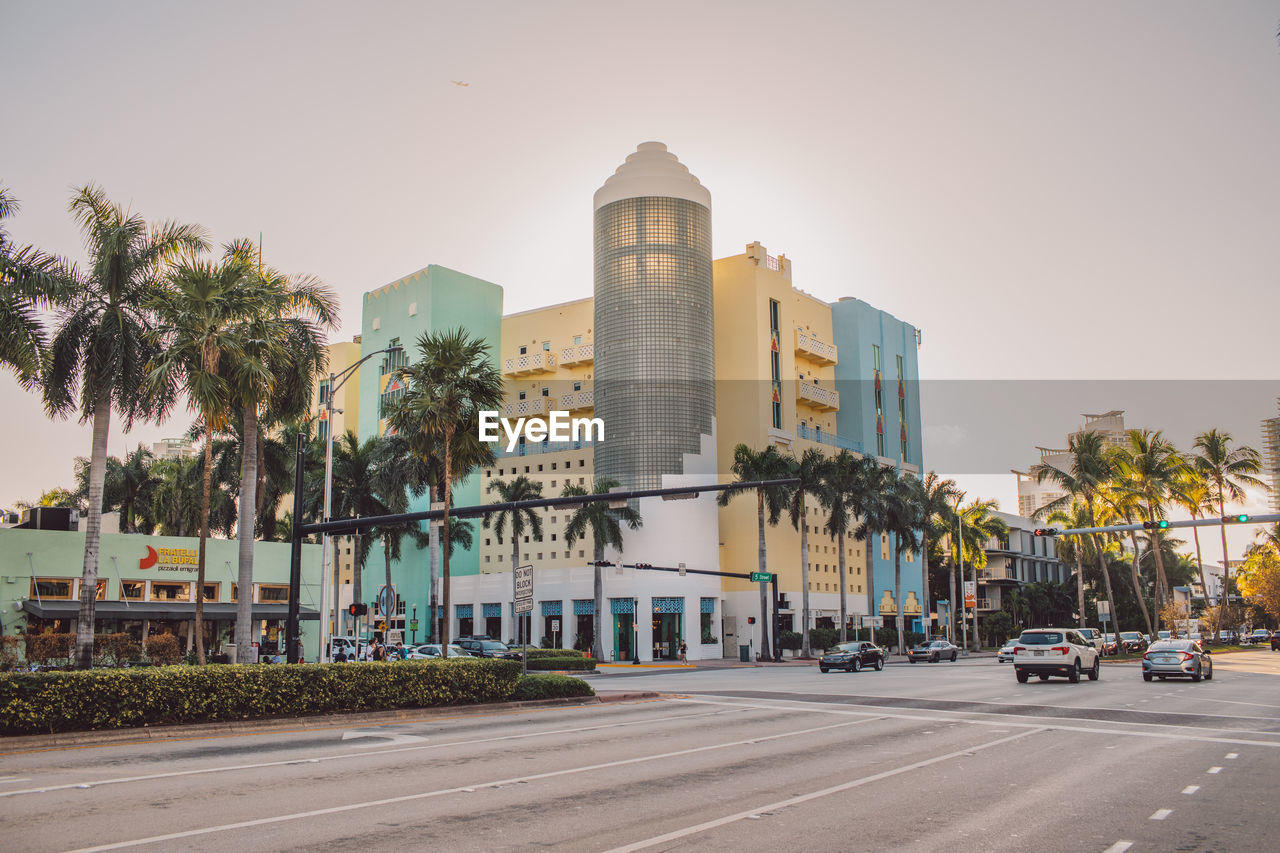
(761, 577)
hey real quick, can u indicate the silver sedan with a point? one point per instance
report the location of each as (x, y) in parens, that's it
(1177, 659)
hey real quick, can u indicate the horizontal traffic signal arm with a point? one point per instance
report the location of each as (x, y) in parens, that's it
(651, 568)
(1241, 518)
(341, 526)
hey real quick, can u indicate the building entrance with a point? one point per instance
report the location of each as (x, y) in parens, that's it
(624, 635)
(667, 634)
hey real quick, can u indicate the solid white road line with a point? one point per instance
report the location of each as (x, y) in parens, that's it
(552, 774)
(1191, 789)
(1215, 770)
(1119, 847)
(834, 789)
(93, 783)
(1161, 814)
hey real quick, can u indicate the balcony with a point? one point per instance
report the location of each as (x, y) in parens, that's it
(804, 431)
(988, 604)
(817, 397)
(998, 573)
(819, 352)
(530, 364)
(529, 407)
(576, 356)
(577, 401)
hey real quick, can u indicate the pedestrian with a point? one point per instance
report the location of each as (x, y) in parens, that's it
(684, 652)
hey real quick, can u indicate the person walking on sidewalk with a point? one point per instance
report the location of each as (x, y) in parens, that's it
(684, 652)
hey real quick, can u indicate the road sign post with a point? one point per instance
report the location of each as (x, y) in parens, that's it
(523, 604)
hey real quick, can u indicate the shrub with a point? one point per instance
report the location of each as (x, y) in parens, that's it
(10, 655)
(555, 653)
(164, 650)
(114, 649)
(577, 662)
(791, 640)
(582, 642)
(118, 698)
(49, 648)
(550, 687)
(823, 638)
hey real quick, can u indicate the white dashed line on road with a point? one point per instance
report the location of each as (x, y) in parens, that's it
(1215, 769)
(1233, 755)
(1119, 847)
(1191, 789)
(1161, 814)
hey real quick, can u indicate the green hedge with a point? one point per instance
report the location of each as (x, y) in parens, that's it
(568, 663)
(555, 653)
(551, 687)
(118, 698)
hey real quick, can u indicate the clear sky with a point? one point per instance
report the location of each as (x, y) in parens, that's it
(1048, 190)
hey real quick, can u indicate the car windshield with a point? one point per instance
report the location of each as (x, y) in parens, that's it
(846, 647)
(1130, 635)
(493, 646)
(1040, 638)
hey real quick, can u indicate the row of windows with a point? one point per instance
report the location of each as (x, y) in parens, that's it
(64, 589)
(831, 587)
(502, 472)
(568, 555)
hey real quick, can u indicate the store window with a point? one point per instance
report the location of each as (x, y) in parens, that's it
(56, 588)
(272, 592)
(211, 591)
(132, 590)
(170, 591)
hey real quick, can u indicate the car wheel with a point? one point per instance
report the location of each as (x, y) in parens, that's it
(1020, 675)
(1044, 676)
(933, 659)
(879, 664)
(1197, 675)
(953, 657)
(1096, 672)
(857, 665)
(822, 669)
(1074, 675)
(913, 660)
(1208, 676)
(1146, 676)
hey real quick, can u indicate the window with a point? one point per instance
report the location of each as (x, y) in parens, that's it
(577, 386)
(100, 593)
(524, 350)
(272, 592)
(577, 340)
(546, 392)
(879, 398)
(170, 591)
(546, 346)
(521, 395)
(132, 590)
(51, 588)
(211, 591)
(324, 391)
(902, 408)
(775, 360)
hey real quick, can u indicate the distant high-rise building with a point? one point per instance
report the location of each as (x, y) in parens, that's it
(1033, 495)
(1271, 455)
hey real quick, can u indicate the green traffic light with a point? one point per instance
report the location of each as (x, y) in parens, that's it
(1242, 517)
(1163, 524)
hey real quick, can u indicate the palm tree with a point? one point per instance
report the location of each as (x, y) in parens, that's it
(397, 475)
(811, 470)
(1226, 471)
(1152, 468)
(519, 489)
(977, 528)
(936, 508)
(750, 466)
(1086, 473)
(604, 526)
(101, 348)
(1192, 495)
(902, 513)
(355, 494)
(1127, 505)
(30, 281)
(128, 487)
(841, 493)
(453, 381)
(176, 500)
(1073, 547)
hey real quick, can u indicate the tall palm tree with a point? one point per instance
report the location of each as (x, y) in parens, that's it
(604, 525)
(977, 527)
(1126, 505)
(398, 474)
(355, 494)
(1152, 468)
(519, 489)
(1192, 495)
(454, 379)
(841, 497)
(98, 356)
(902, 511)
(128, 488)
(176, 499)
(1226, 471)
(936, 509)
(30, 281)
(750, 466)
(811, 470)
(1087, 471)
(1073, 547)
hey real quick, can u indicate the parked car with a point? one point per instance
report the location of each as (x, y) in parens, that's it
(1110, 645)
(1133, 641)
(1043, 652)
(1177, 659)
(1005, 655)
(852, 657)
(1275, 642)
(1259, 635)
(933, 651)
(1093, 635)
(432, 650)
(488, 649)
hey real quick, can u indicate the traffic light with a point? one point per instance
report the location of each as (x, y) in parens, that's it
(751, 620)
(358, 609)
(1235, 519)
(1046, 531)
(1162, 524)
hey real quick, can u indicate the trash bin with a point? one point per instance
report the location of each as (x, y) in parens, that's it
(744, 654)
(230, 651)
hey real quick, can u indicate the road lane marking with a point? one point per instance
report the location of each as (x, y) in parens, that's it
(1119, 847)
(1161, 814)
(382, 738)
(9, 780)
(349, 755)
(1233, 755)
(1215, 770)
(1191, 789)
(423, 795)
(804, 798)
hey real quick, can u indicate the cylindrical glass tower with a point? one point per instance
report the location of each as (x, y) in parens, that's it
(654, 379)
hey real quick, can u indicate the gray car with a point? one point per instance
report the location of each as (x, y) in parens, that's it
(1177, 659)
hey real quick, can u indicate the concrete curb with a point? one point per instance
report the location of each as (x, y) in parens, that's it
(232, 728)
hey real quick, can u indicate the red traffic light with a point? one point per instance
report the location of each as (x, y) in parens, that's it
(1046, 531)
(751, 620)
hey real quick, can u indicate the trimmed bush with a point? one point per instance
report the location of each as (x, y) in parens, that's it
(821, 639)
(550, 687)
(10, 653)
(567, 663)
(790, 640)
(555, 653)
(114, 649)
(164, 650)
(118, 698)
(48, 649)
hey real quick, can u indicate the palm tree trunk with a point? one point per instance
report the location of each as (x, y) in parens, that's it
(93, 531)
(926, 613)
(597, 620)
(804, 579)
(844, 603)
(765, 649)
(386, 555)
(977, 643)
(248, 489)
(1106, 576)
(205, 491)
(433, 534)
(1226, 567)
(1137, 586)
(1080, 579)
(444, 550)
(871, 579)
(357, 582)
(1204, 588)
(951, 593)
(901, 618)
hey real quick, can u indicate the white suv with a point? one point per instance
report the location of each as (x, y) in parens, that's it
(1054, 651)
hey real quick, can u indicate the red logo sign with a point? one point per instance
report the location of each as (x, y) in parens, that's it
(150, 560)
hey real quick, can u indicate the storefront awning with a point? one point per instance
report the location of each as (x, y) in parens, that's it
(180, 610)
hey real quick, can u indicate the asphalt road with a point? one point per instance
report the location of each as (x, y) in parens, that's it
(927, 757)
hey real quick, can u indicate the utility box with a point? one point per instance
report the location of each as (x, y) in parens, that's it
(744, 654)
(230, 651)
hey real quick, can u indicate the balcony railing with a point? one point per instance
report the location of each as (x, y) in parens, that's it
(577, 401)
(529, 364)
(997, 574)
(529, 407)
(818, 397)
(527, 449)
(803, 431)
(986, 604)
(814, 349)
(576, 355)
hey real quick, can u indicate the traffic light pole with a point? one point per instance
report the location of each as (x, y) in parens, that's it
(291, 633)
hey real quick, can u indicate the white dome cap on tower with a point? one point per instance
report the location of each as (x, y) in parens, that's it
(652, 171)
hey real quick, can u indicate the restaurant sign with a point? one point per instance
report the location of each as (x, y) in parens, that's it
(170, 559)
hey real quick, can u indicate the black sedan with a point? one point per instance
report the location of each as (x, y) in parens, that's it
(852, 657)
(934, 651)
(488, 649)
